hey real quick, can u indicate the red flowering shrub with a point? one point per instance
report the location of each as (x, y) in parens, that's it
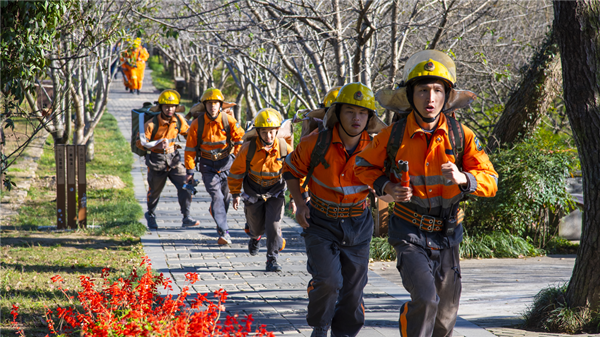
(133, 307)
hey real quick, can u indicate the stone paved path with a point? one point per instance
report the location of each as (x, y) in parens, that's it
(276, 299)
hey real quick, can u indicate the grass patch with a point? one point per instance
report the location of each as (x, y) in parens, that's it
(558, 245)
(115, 211)
(497, 245)
(550, 312)
(28, 261)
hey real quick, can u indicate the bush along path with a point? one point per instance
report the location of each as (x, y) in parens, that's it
(277, 300)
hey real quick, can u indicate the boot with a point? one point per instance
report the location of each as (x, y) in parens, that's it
(253, 246)
(151, 220)
(272, 265)
(188, 221)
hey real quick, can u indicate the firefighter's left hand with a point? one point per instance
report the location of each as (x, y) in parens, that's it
(235, 203)
(452, 173)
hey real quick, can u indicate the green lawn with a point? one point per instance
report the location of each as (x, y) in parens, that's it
(29, 257)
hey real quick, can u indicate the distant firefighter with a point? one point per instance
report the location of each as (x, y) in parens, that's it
(134, 63)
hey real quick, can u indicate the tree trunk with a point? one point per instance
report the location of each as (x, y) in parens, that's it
(526, 106)
(577, 25)
(90, 149)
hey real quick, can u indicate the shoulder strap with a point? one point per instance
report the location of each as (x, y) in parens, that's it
(393, 145)
(456, 131)
(178, 120)
(250, 154)
(282, 148)
(155, 130)
(318, 154)
(226, 126)
(200, 131)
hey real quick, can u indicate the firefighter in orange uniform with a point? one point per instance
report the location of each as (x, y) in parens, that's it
(213, 141)
(164, 161)
(257, 169)
(337, 222)
(445, 162)
(134, 65)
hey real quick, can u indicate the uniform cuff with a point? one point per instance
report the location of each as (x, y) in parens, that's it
(305, 195)
(235, 195)
(379, 185)
(189, 172)
(471, 184)
(289, 176)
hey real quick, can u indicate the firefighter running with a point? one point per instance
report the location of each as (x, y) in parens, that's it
(164, 160)
(134, 64)
(446, 162)
(257, 169)
(213, 141)
(337, 223)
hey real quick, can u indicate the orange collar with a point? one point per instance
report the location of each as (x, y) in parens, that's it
(260, 146)
(413, 127)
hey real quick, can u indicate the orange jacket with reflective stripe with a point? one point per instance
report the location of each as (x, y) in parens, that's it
(266, 165)
(166, 129)
(214, 137)
(337, 184)
(432, 193)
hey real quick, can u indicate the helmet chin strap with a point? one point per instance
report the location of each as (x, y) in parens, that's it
(409, 96)
(209, 115)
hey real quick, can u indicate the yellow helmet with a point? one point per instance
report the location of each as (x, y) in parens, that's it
(330, 96)
(212, 94)
(169, 97)
(356, 94)
(268, 118)
(430, 64)
(137, 42)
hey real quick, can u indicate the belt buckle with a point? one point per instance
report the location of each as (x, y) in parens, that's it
(425, 227)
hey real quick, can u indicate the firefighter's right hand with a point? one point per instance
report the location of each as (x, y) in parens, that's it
(302, 213)
(189, 178)
(399, 193)
(160, 146)
(235, 203)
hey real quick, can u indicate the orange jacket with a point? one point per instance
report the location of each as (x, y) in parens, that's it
(337, 184)
(166, 130)
(265, 166)
(214, 138)
(431, 191)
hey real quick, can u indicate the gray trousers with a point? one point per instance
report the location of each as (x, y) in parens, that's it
(156, 183)
(265, 216)
(432, 277)
(214, 177)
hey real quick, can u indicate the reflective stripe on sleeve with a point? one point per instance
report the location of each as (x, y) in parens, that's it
(288, 161)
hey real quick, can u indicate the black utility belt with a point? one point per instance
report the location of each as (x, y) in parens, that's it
(428, 223)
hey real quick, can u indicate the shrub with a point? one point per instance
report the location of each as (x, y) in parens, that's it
(496, 245)
(550, 312)
(133, 307)
(531, 196)
(155, 64)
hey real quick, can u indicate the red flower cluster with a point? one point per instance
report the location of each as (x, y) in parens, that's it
(132, 307)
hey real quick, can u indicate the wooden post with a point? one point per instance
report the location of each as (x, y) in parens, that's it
(61, 210)
(81, 185)
(71, 186)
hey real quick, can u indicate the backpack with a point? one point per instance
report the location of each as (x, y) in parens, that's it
(455, 131)
(139, 117)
